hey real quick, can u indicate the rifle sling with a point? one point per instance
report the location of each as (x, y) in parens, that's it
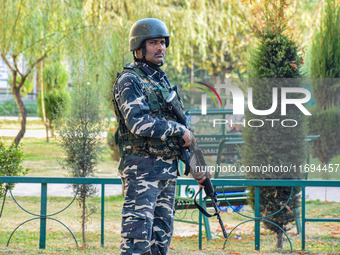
(202, 210)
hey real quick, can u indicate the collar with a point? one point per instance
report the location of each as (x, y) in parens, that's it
(158, 74)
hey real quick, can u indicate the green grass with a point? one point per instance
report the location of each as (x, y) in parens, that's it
(59, 241)
(15, 124)
(43, 158)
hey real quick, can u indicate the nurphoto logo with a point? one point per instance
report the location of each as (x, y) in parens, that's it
(287, 96)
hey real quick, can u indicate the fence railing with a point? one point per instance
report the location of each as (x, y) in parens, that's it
(44, 181)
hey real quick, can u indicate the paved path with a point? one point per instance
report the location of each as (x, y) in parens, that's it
(60, 190)
(40, 133)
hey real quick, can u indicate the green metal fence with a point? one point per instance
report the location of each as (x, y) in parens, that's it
(42, 217)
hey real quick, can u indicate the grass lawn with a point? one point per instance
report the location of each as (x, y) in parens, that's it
(43, 158)
(321, 237)
(31, 124)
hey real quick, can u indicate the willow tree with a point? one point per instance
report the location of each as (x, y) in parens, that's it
(32, 30)
(211, 35)
(274, 62)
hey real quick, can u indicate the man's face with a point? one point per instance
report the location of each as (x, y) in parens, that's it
(155, 50)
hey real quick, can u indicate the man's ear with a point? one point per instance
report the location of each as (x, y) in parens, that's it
(139, 53)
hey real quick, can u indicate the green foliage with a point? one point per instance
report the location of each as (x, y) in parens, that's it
(10, 164)
(273, 62)
(81, 140)
(269, 18)
(325, 69)
(56, 96)
(56, 104)
(32, 30)
(325, 50)
(27, 86)
(10, 108)
(55, 76)
(326, 124)
(274, 56)
(111, 141)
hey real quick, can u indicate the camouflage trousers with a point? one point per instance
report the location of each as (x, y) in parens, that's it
(147, 216)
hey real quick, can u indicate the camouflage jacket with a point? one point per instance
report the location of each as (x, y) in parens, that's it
(133, 103)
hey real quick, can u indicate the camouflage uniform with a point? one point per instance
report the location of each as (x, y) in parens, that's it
(148, 138)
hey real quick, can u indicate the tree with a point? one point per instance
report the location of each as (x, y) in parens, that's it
(273, 61)
(325, 71)
(56, 96)
(10, 165)
(31, 30)
(81, 140)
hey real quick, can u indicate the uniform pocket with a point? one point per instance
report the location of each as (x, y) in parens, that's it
(134, 225)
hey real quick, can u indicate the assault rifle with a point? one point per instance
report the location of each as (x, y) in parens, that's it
(193, 157)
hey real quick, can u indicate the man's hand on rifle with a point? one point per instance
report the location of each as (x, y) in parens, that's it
(199, 177)
(187, 137)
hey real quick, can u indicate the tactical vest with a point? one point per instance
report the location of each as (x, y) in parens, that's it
(146, 146)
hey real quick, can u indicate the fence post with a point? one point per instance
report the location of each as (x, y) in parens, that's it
(102, 215)
(257, 221)
(200, 221)
(303, 218)
(43, 210)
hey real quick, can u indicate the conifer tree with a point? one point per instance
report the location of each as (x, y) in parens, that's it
(81, 139)
(274, 63)
(325, 72)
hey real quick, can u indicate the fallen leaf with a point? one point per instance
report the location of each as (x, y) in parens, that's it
(293, 65)
(288, 208)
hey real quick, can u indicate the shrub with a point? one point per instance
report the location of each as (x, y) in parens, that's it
(10, 165)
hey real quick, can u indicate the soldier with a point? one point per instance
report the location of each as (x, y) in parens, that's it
(148, 142)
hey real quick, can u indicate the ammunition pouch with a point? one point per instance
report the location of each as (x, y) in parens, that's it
(130, 144)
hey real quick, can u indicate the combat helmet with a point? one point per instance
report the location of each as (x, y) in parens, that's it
(146, 29)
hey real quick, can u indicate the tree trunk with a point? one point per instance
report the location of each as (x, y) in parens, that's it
(324, 174)
(83, 219)
(192, 73)
(279, 244)
(3, 202)
(40, 67)
(16, 92)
